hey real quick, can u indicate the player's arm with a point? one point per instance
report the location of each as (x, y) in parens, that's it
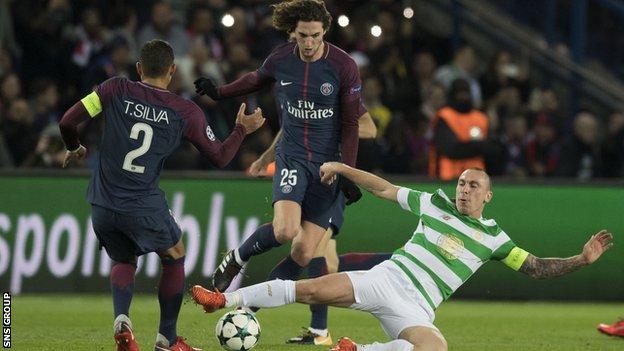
(259, 166)
(541, 268)
(374, 184)
(198, 132)
(367, 128)
(246, 84)
(88, 107)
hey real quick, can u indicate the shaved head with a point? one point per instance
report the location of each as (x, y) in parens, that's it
(473, 192)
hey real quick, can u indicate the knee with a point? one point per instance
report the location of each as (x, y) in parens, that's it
(284, 232)
(433, 344)
(301, 254)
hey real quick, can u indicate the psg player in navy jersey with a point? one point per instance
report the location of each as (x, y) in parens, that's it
(145, 123)
(317, 88)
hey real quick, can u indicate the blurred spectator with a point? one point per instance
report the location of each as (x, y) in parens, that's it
(459, 134)
(162, 26)
(7, 37)
(503, 72)
(202, 26)
(123, 20)
(463, 66)
(423, 69)
(17, 128)
(198, 62)
(505, 104)
(6, 62)
(115, 61)
(10, 90)
(544, 102)
(514, 142)
(580, 154)
(50, 150)
(45, 104)
(382, 116)
(435, 99)
(90, 37)
(541, 150)
(613, 147)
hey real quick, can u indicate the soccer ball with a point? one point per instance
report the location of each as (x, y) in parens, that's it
(238, 330)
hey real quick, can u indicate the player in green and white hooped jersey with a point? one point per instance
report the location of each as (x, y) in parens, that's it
(451, 241)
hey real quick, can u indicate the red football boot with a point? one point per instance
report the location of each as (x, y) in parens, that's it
(180, 345)
(210, 300)
(124, 339)
(345, 344)
(615, 329)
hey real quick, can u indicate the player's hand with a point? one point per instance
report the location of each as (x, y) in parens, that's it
(328, 172)
(78, 154)
(251, 122)
(206, 86)
(258, 168)
(350, 190)
(597, 245)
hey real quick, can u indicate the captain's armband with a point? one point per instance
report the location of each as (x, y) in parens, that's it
(516, 258)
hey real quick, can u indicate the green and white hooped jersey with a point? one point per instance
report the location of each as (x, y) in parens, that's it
(448, 247)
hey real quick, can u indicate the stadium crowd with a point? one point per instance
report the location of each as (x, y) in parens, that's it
(52, 53)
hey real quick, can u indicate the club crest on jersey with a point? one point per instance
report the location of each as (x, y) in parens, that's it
(446, 217)
(479, 236)
(210, 133)
(286, 189)
(450, 246)
(327, 89)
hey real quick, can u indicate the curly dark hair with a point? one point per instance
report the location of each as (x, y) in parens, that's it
(287, 14)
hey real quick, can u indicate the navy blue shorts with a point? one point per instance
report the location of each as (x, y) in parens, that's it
(337, 214)
(125, 236)
(300, 181)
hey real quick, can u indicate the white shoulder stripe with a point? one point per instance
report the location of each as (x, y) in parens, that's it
(402, 195)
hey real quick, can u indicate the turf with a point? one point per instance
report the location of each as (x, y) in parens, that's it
(83, 322)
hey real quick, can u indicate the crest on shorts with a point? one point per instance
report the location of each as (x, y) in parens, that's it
(286, 189)
(450, 246)
(327, 89)
(210, 133)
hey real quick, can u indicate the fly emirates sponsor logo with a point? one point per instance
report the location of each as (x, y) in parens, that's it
(305, 110)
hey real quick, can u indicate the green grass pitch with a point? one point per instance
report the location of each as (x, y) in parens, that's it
(83, 322)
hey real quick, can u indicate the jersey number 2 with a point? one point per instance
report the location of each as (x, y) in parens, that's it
(148, 133)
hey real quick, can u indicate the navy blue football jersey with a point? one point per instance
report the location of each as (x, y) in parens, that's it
(143, 126)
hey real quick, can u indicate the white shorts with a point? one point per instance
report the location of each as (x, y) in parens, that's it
(388, 294)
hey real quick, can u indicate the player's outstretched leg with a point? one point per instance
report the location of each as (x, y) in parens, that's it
(262, 240)
(122, 287)
(268, 294)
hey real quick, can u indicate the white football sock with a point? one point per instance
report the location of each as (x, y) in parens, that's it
(268, 294)
(394, 345)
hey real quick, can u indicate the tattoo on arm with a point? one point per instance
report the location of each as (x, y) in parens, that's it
(541, 268)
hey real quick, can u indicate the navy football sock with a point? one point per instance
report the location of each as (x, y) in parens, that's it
(122, 287)
(262, 240)
(170, 293)
(360, 261)
(286, 269)
(317, 268)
